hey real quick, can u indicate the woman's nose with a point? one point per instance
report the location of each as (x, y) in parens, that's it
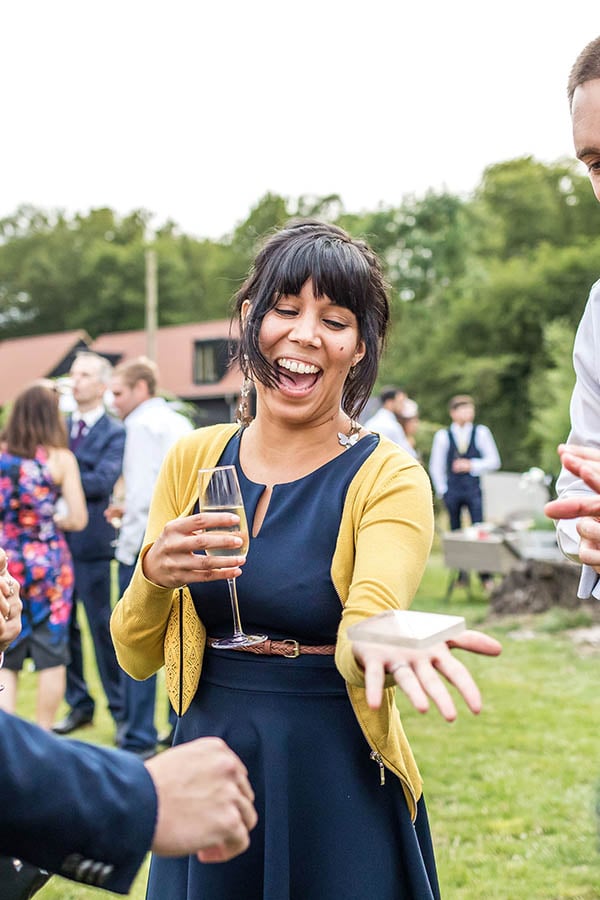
(305, 330)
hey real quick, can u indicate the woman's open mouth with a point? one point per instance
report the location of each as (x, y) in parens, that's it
(297, 376)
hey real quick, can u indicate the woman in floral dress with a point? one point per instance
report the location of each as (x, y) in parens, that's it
(36, 468)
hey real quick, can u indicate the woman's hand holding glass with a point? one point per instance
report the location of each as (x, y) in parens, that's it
(219, 490)
(175, 558)
(417, 672)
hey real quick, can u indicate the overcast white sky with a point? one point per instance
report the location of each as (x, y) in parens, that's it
(193, 109)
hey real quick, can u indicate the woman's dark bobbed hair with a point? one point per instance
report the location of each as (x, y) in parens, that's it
(341, 268)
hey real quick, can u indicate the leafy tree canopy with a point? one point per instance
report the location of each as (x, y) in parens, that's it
(486, 291)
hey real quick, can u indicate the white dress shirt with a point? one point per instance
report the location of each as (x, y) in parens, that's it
(89, 418)
(152, 428)
(585, 430)
(385, 422)
(489, 460)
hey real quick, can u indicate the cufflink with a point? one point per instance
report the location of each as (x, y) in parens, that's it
(87, 871)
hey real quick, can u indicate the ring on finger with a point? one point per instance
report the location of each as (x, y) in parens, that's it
(400, 665)
(11, 589)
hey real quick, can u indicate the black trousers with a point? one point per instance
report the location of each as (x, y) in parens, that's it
(92, 591)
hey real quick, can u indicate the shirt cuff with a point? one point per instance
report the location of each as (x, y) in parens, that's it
(589, 584)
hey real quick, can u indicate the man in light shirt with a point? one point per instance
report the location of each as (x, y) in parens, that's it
(152, 427)
(459, 455)
(386, 420)
(578, 505)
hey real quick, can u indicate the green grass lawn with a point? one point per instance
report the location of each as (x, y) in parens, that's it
(511, 793)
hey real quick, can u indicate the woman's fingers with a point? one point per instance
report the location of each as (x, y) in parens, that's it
(457, 674)
(374, 680)
(185, 551)
(409, 681)
(420, 674)
(476, 642)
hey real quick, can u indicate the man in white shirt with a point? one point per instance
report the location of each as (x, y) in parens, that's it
(385, 421)
(578, 504)
(152, 427)
(459, 455)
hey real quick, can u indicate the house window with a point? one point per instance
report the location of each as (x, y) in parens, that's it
(210, 361)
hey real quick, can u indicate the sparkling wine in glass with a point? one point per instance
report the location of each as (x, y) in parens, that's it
(219, 491)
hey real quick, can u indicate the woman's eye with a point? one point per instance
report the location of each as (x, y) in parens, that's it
(284, 311)
(334, 323)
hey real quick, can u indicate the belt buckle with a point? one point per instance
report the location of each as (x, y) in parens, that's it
(294, 648)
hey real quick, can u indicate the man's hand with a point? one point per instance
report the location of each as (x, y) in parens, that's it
(205, 801)
(584, 462)
(461, 465)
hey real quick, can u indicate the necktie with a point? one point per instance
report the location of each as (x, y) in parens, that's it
(79, 434)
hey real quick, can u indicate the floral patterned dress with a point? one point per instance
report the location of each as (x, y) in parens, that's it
(38, 555)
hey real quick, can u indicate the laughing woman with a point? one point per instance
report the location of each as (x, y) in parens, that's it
(341, 526)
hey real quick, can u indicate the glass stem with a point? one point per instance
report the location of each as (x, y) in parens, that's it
(237, 625)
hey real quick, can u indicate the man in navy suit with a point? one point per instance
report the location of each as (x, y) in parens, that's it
(98, 442)
(91, 814)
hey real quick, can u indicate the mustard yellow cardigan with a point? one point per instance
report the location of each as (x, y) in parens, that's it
(382, 548)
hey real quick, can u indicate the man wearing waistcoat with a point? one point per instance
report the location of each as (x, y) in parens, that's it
(459, 455)
(98, 442)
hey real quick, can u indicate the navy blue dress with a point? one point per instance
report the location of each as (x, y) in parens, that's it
(327, 828)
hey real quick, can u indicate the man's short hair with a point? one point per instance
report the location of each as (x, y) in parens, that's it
(585, 68)
(139, 369)
(460, 400)
(389, 393)
(104, 368)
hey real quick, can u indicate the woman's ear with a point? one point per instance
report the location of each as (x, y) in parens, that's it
(359, 353)
(246, 307)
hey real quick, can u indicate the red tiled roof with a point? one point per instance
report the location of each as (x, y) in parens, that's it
(175, 356)
(22, 360)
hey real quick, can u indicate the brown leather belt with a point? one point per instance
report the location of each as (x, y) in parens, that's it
(288, 648)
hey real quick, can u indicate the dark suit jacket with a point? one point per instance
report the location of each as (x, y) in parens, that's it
(85, 812)
(100, 458)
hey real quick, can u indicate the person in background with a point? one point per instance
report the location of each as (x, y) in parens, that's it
(36, 469)
(577, 508)
(459, 455)
(341, 524)
(97, 440)
(91, 814)
(409, 420)
(386, 420)
(152, 427)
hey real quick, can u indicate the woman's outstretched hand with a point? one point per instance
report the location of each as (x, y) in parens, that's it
(417, 672)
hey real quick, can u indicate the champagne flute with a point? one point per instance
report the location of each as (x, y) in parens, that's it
(219, 491)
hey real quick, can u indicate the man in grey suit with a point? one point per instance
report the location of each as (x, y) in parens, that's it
(98, 442)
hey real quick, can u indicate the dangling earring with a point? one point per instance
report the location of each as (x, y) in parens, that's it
(242, 415)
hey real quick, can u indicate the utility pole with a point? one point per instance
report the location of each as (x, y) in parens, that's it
(151, 304)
